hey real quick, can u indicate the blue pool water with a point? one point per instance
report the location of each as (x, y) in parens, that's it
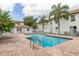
(46, 41)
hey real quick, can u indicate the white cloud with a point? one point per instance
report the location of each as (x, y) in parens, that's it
(13, 1)
(8, 7)
(42, 7)
(9, 4)
(36, 7)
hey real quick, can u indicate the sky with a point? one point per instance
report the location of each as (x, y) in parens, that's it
(20, 8)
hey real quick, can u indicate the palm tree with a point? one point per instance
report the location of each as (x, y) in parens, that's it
(34, 25)
(43, 21)
(6, 22)
(50, 20)
(60, 11)
(29, 20)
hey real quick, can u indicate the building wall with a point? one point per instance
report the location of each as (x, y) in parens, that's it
(47, 27)
(64, 25)
(77, 22)
(40, 28)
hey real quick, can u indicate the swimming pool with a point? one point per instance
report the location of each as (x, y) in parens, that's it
(46, 41)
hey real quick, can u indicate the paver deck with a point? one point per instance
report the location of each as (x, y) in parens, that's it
(20, 46)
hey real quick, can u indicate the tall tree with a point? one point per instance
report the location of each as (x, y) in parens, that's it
(60, 11)
(6, 22)
(43, 21)
(34, 25)
(50, 20)
(28, 20)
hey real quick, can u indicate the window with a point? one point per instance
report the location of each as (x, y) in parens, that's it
(19, 29)
(72, 17)
(73, 27)
(56, 27)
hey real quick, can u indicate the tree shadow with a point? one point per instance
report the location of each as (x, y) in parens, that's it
(7, 39)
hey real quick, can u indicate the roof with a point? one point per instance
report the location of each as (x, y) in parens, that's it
(20, 25)
(19, 22)
(74, 11)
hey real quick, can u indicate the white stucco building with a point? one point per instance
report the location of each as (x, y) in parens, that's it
(69, 26)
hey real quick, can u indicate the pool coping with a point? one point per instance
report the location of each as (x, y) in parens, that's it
(59, 36)
(54, 35)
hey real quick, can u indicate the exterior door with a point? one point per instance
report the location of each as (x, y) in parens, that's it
(73, 29)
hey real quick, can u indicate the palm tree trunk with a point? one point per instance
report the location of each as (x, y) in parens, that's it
(51, 26)
(58, 27)
(43, 27)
